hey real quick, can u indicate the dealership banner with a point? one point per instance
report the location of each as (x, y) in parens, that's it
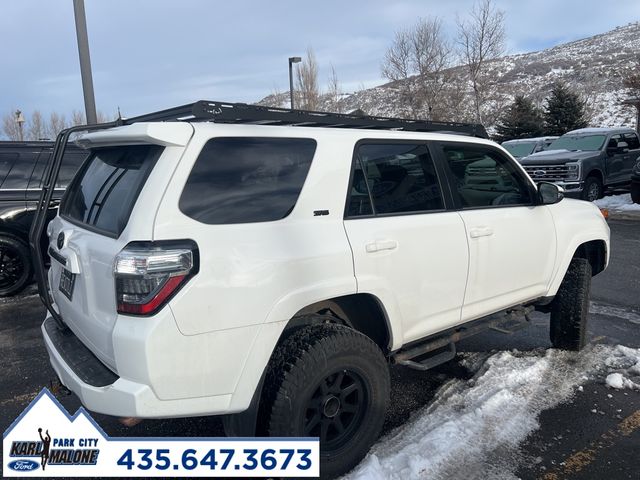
(45, 441)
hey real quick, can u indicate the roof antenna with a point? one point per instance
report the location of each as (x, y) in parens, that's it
(119, 119)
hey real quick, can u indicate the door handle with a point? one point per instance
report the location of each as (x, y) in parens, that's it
(380, 245)
(481, 232)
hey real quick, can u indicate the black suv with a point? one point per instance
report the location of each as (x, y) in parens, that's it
(588, 161)
(22, 166)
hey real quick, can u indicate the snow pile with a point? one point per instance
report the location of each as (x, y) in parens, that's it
(626, 362)
(618, 203)
(471, 422)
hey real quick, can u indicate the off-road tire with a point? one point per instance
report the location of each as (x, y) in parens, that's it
(570, 307)
(304, 365)
(16, 269)
(593, 189)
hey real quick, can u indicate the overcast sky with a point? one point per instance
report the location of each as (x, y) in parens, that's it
(152, 54)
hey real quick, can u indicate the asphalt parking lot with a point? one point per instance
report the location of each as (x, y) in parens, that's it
(572, 441)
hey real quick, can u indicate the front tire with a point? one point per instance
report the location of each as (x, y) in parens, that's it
(332, 382)
(15, 265)
(570, 308)
(593, 189)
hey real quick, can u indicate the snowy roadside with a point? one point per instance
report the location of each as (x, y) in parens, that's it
(620, 206)
(472, 428)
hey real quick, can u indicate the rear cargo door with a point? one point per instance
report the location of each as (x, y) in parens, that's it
(87, 236)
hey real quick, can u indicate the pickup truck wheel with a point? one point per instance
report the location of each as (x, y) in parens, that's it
(593, 189)
(15, 265)
(570, 307)
(332, 382)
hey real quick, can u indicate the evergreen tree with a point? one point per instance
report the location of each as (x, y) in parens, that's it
(565, 111)
(521, 120)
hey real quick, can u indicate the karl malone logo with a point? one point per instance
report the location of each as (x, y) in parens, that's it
(49, 450)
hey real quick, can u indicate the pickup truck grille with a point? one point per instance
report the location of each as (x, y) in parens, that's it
(547, 172)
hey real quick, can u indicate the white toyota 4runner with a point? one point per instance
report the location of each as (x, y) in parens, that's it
(271, 274)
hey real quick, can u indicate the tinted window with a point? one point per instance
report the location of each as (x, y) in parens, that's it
(71, 162)
(400, 178)
(246, 180)
(483, 177)
(6, 163)
(20, 172)
(631, 139)
(613, 141)
(104, 192)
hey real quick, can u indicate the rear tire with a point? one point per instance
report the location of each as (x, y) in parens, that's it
(332, 382)
(570, 308)
(15, 265)
(593, 189)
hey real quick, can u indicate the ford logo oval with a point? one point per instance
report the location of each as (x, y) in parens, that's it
(23, 465)
(539, 173)
(60, 241)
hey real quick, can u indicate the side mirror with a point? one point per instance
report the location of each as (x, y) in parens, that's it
(550, 193)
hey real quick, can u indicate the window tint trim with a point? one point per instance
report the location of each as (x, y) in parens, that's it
(447, 200)
(439, 146)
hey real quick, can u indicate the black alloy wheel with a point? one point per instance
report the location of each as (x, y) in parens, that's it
(15, 266)
(336, 409)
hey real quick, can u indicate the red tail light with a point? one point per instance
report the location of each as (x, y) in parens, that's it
(147, 275)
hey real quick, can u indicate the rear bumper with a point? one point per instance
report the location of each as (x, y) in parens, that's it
(162, 373)
(124, 398)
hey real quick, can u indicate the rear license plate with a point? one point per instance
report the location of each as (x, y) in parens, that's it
(67, 281)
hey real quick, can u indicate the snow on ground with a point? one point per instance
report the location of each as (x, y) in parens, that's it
(472, 428)
(618, 203)
(615, 312)
(626, 362)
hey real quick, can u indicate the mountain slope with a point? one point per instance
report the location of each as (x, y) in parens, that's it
(593, 66)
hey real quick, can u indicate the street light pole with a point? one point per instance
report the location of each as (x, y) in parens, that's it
(292, 60)
(20, 121)
(85, 62)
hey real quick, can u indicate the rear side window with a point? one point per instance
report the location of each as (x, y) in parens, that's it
(6, 163)
(19, 172)
(246, 179)
(103, 193)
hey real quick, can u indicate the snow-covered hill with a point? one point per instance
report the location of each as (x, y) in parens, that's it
(593, 66)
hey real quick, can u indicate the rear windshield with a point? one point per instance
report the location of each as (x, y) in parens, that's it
(246, 179)
(103, 193)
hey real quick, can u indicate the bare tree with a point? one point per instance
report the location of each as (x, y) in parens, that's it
(37, 127)
(307, 83)
(334, 93)
(10, 126)
(481, 39)
(78, 118)
(416, 60)
(57, 123)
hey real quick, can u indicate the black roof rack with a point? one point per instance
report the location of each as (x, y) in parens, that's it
(242, 113)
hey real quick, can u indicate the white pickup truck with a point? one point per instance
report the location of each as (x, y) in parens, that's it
(270, 273)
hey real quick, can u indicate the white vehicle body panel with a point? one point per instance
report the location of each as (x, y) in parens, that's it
(206, 350)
